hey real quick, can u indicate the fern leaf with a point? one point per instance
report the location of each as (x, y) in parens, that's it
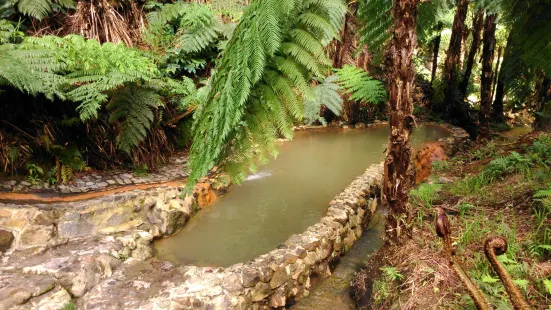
(133, 107)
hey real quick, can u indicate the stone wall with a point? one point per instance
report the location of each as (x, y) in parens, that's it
(286, 273)
(160, 211)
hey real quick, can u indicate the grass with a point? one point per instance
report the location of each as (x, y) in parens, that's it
(499, 190)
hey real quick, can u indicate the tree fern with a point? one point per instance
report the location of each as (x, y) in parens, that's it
(91, 74)
(40, 8)
(95, 69)
(133, 107)
(262, 77)
(31, 70)
(360, 85)
(180, 32)
(376, 18)
(325, 94)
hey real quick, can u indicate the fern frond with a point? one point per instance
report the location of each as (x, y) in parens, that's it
(261, 81)
(40, 8)
(360, 85)
(133, 108)
(325, 94)
(376, 20)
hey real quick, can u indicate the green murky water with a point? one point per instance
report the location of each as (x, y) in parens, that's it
(283, 198)
(515, 133)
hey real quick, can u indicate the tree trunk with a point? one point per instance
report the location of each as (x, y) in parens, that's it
(342, 46)
(497, 107)
(435, 51)
(495, 72)
(543, 119)
(477, 28)
(486, 79)
(397, 163)
(452, 58)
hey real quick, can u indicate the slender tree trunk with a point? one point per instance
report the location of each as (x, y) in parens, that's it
(496, 71)
(543, 119)
(397, 163)
(497, 107)
(435, 51)
(477, 28)
(486, 79)
(342, 46)
(452, 58)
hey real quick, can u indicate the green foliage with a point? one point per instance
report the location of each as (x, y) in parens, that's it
(360, 85)
(261, 80)
(426, 193)
(9, 33)
(31, 70)
(325, 94)
(496, 169)
(40, 8)
(183, 34)
(375, 16)
(541, 239)
(93, 74)
(35, 172)
(392, 273)
(430, 15)
(134, 108)
(95, 68)
(70, 306)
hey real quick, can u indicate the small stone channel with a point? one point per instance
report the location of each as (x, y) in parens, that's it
(333, 293)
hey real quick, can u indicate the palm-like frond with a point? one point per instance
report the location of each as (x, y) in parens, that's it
(324, 94)
(375, 16)
(133, 107)
(40, 8)
(360, 85)
(261, 79)
(31, 71)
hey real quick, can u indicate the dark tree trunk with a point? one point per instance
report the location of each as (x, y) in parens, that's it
(477, 28)
(435, 51)
(452, 59)
(496, 71)
(488, 50)
(543, 119)
(397, 163)
(342, 46)
(497, 107)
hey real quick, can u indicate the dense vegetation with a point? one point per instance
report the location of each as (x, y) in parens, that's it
(102, 84)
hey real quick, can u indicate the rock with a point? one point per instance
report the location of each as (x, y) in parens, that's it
(339, 215)
(143, 252)
(266, 274)
(36, 235)
(250, 277)
(278, 299)
(20, 297)
(6, 239)
(149, 203)
(205, 194)
(233, 283)
(55, 301)
(260, 291)
(73, 229)
(280, 276)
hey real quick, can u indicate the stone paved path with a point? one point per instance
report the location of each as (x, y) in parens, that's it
(177, 168)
